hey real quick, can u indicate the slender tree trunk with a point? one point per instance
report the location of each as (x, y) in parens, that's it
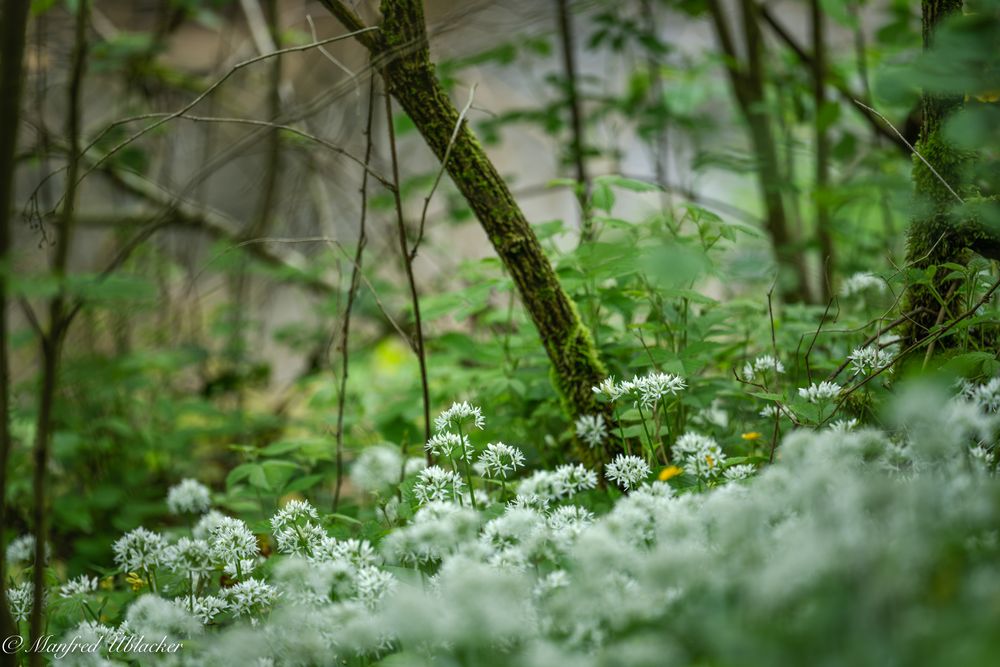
(577, 143)
(14, 22)
(403, 44)
(747, 79)
(933, 237)
(52, 341)
(822, 145)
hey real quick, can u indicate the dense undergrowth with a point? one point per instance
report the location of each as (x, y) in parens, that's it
(857, 544)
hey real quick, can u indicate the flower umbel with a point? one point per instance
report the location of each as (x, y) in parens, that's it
(627, 471)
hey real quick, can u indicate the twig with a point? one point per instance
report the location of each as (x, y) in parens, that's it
(408, 263)
(815, 336)
(938, 320)
(774, 349)
(345, 330)
(875, 336)
(934, 335)
(190, 105)
(912, 148)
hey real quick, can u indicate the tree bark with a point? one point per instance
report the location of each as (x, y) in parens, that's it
(403, 46)
(822, 142)
(747, 79)
(934, 237)
(14, 22)
(577, 143)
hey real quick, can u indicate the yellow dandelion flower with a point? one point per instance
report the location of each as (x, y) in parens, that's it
(751, 436)
(669, 472)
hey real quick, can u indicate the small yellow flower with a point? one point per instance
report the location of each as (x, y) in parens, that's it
(134, 581)
(669, 472)
(751, 436)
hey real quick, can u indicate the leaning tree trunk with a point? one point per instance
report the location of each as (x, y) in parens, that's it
(403, 47)
(934, 237)
(14, 21)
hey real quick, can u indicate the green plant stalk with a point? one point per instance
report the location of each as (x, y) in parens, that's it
(468, 469)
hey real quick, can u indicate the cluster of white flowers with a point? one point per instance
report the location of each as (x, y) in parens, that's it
(78, 587)
(700, 455)
(450, 446)
(870, 359)
(549, 486)
(627, 471)
(499, 460)
(377, 469)
(820, 393)
(436, 483)
(647, 390)
(20, 599)
(986, 396)
(762, 365)
(458, 415)
(140, 550)
(189, 497)
(233, 545)
(296, 529)
(249, 597)
(843, 425)
(861, 282)
(543, 581)
(738, 472)
(21, 550)
(592, 430)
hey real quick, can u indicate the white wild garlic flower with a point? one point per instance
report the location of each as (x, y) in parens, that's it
(450, 446)
(654, 387)
(627, 471)
(189, 497)
(860, 282)
(377, 469)
(250, 597)
(436, 483)
(592, 430)
(233, 544)
(206, 608)
(21, 550)
(738, 472)
(699, 454)
(499, 460)
(189, 555)
(868, 360)
(140, 549)
(20, 600)
(458, 415)
(820, 393)
(78, 587)
(761, 365)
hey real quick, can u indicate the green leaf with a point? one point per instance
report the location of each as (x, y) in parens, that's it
(627, 183)
(602, 198)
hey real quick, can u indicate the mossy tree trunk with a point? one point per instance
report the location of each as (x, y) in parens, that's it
(402, 46)
(934, 237)
(14, 21)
